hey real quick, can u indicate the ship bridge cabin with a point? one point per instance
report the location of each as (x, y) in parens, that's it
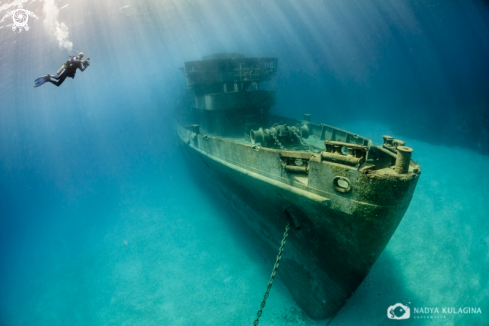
(225, 99)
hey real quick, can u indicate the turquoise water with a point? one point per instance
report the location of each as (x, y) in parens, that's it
(101, 222)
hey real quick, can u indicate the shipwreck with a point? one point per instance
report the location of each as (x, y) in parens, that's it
(343, 195)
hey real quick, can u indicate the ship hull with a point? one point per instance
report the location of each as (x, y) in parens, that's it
(327, 259)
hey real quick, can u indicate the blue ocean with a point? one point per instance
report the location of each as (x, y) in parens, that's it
(103, 223)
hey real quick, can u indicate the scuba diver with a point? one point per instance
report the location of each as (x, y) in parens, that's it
(67, 70)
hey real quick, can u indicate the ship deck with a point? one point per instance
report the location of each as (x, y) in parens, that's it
(313, 142)
(315, 145)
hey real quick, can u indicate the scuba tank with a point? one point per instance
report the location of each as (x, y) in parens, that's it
(64, 66)
(61, 69)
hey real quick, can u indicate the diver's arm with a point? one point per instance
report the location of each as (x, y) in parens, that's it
(85, 63)
(78, 64)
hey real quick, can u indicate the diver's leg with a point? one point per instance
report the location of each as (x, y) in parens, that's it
(59, 82)
(58, 76)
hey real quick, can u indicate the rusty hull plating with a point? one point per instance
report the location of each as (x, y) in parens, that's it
(346, 194)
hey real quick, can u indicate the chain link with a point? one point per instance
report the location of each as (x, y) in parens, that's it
(303, 141)
(277, 142)
(275, 267)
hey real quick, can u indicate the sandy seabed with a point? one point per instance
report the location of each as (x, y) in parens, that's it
(167, 254)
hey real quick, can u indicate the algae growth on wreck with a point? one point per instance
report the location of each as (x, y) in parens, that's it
(102, 221)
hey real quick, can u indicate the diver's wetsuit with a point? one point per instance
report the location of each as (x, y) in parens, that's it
(67, 72)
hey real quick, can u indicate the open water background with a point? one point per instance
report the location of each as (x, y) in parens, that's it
(100, 222)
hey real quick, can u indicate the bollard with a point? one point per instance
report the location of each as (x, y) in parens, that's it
(307, 117)
(398, 142)
(196, 129)
(387, 140)
(403, 159)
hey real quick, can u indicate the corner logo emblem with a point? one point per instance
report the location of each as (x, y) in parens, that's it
(398, 311)
(20, 17)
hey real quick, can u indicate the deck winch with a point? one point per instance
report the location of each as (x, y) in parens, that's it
(279, 134)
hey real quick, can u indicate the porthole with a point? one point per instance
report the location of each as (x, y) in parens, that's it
(342, 185)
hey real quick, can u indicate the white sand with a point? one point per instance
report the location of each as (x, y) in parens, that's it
(166, 254)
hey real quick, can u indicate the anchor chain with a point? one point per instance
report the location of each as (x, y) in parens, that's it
(275, 267)
(303, 141)
(277, 142)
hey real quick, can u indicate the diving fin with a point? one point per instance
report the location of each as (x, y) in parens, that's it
(41, 80)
